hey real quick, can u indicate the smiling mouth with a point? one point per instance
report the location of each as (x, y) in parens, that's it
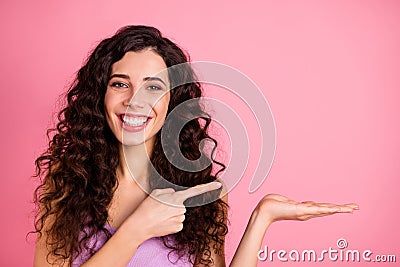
(134, 121)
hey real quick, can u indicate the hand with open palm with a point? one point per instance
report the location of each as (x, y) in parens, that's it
(275, 207)
(272, 208)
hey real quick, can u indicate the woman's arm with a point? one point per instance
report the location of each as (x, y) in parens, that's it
(122, 245)
(275, 208)
(161, 213)
(117, 251)
(250, 244)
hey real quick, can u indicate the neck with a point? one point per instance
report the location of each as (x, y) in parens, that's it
(134, 162)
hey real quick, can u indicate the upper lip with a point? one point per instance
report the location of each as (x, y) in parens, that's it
(130, 115)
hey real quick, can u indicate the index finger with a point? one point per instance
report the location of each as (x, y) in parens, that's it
(198, 190)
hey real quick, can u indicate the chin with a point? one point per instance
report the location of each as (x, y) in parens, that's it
(137, 139)
(127, 141)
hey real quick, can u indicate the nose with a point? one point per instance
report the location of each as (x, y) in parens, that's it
(135, 99)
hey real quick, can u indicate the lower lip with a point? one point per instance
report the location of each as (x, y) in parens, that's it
(134, 129)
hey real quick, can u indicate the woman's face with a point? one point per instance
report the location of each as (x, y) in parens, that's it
(137, 97)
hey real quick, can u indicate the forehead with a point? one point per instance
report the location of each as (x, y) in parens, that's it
(137, 65)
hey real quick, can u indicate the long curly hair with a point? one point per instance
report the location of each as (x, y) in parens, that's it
(78, 170)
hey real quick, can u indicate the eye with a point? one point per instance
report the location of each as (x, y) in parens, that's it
(154, 87)
(119, 85)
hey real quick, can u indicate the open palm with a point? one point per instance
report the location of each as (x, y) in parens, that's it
(277, 207)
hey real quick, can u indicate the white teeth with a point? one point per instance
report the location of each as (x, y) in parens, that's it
(134, 121)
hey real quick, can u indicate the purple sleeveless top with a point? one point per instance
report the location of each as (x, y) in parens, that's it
(150, 253)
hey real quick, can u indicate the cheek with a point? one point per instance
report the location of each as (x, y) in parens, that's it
(111, 101)
(109, 108)
(107, 102)
(161, 108)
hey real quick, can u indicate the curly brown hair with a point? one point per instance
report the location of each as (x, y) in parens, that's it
(78, 170)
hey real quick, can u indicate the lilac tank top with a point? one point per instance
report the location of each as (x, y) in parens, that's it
(150, 253)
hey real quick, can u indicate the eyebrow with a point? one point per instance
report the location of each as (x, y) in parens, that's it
(125, 76)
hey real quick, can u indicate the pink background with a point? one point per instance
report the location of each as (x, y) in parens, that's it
(329, 70)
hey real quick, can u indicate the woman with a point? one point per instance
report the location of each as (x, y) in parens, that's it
(93, 205)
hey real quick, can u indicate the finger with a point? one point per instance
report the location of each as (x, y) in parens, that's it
(306, 209)
(308, 202)
(329, 209)
(322, 213)
(178, 227)
(351, 205)
(157, 192)
(341, 208)
(179, 218)
(180, 210)
(346, 208)
(325, 210)
(197, 190)
(329, 205)
(308, 217)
